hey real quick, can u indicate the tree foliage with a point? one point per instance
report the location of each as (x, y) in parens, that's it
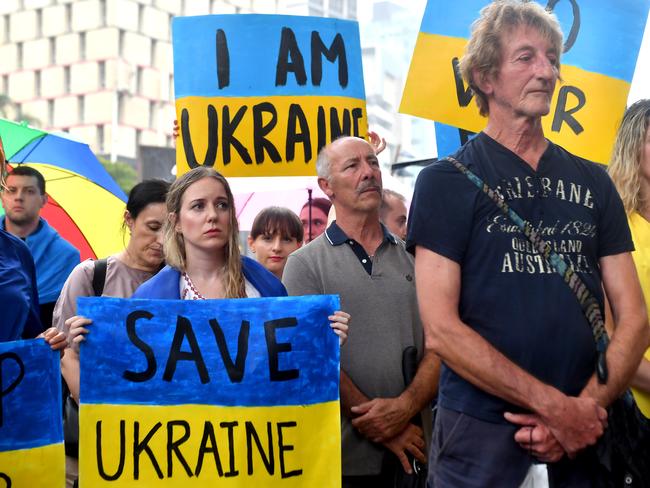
(123, 173)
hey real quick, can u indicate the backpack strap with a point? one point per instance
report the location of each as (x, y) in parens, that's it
(99, 276)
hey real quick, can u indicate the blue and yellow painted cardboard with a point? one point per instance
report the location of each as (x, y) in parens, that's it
(31, 429)
(602, 40)
(210, 393)
(259, 95)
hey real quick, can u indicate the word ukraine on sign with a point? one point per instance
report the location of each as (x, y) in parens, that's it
(259, 95)
(237, 392)
(31, 430)
(601, 45)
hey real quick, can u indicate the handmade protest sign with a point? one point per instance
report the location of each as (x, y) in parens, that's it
(31, 428)
(239, 392)
(259, 95)
(601, 46)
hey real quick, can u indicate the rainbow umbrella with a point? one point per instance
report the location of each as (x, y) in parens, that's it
(85, 205)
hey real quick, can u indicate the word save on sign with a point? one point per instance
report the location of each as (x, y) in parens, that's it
(31, 429)
(233, 393)
(259, 95)
(601, 46)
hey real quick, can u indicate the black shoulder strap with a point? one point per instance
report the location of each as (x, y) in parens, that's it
(99, 276)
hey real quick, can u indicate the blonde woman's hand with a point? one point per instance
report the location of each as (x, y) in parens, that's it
(76, 327)
(339, 322)
(55, 338)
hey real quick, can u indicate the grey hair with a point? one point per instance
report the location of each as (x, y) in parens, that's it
(323, 163)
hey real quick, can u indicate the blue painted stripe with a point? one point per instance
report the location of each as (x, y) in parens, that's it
(608, 40)
(253, 45)
(31, 413)
(72, 156)
(108, 352)
(448, 140)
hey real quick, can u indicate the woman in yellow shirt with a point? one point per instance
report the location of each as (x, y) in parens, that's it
(630, 170)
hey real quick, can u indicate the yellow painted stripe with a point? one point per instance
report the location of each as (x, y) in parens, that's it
(308, 452)
(40, 466)
(430, 93)
(197, 108)
(97, 212)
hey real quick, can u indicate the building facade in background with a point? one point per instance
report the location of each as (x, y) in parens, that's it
(102, 70)
(387, 40)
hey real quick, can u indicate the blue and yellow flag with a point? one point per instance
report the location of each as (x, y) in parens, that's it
(210, 393)
(602, 41)
(259, 95)
(31, 429)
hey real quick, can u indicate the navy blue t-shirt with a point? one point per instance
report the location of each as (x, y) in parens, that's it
(18, 296)
(509, 294)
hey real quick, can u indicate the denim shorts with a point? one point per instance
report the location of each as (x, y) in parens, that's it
(471, 453)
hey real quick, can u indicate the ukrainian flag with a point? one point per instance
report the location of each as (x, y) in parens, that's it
(210, 393)
(602, 41)
(259, 95)
(31, 430)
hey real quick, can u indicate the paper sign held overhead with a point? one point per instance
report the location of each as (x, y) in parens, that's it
(259, 95)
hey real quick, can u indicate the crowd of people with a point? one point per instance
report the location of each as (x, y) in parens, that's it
(500, 343)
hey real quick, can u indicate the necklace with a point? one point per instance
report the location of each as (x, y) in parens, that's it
(190, 290)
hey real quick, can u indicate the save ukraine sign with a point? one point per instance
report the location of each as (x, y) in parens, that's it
(31, 431)
(601, 46)
(259, 95)
(237, 392)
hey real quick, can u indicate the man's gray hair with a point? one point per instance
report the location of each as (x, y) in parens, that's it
(323, 163)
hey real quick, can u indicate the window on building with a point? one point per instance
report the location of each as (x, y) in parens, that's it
(352, 9)
(39, 22)
(140, 17)
(81, 108)
(101, 66)
(120, 43)
(152, 114)
(336, 7)
(52, 50)
(138, 80)
(7, 28)
(152, 52)
(82, 45)
(315, 11)
(66, 79)
(68, 17)
(37, 83)
(103, 15)
(100, 138)
(120, 106)
(50, 113)
(5, 83)
(19, 55)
